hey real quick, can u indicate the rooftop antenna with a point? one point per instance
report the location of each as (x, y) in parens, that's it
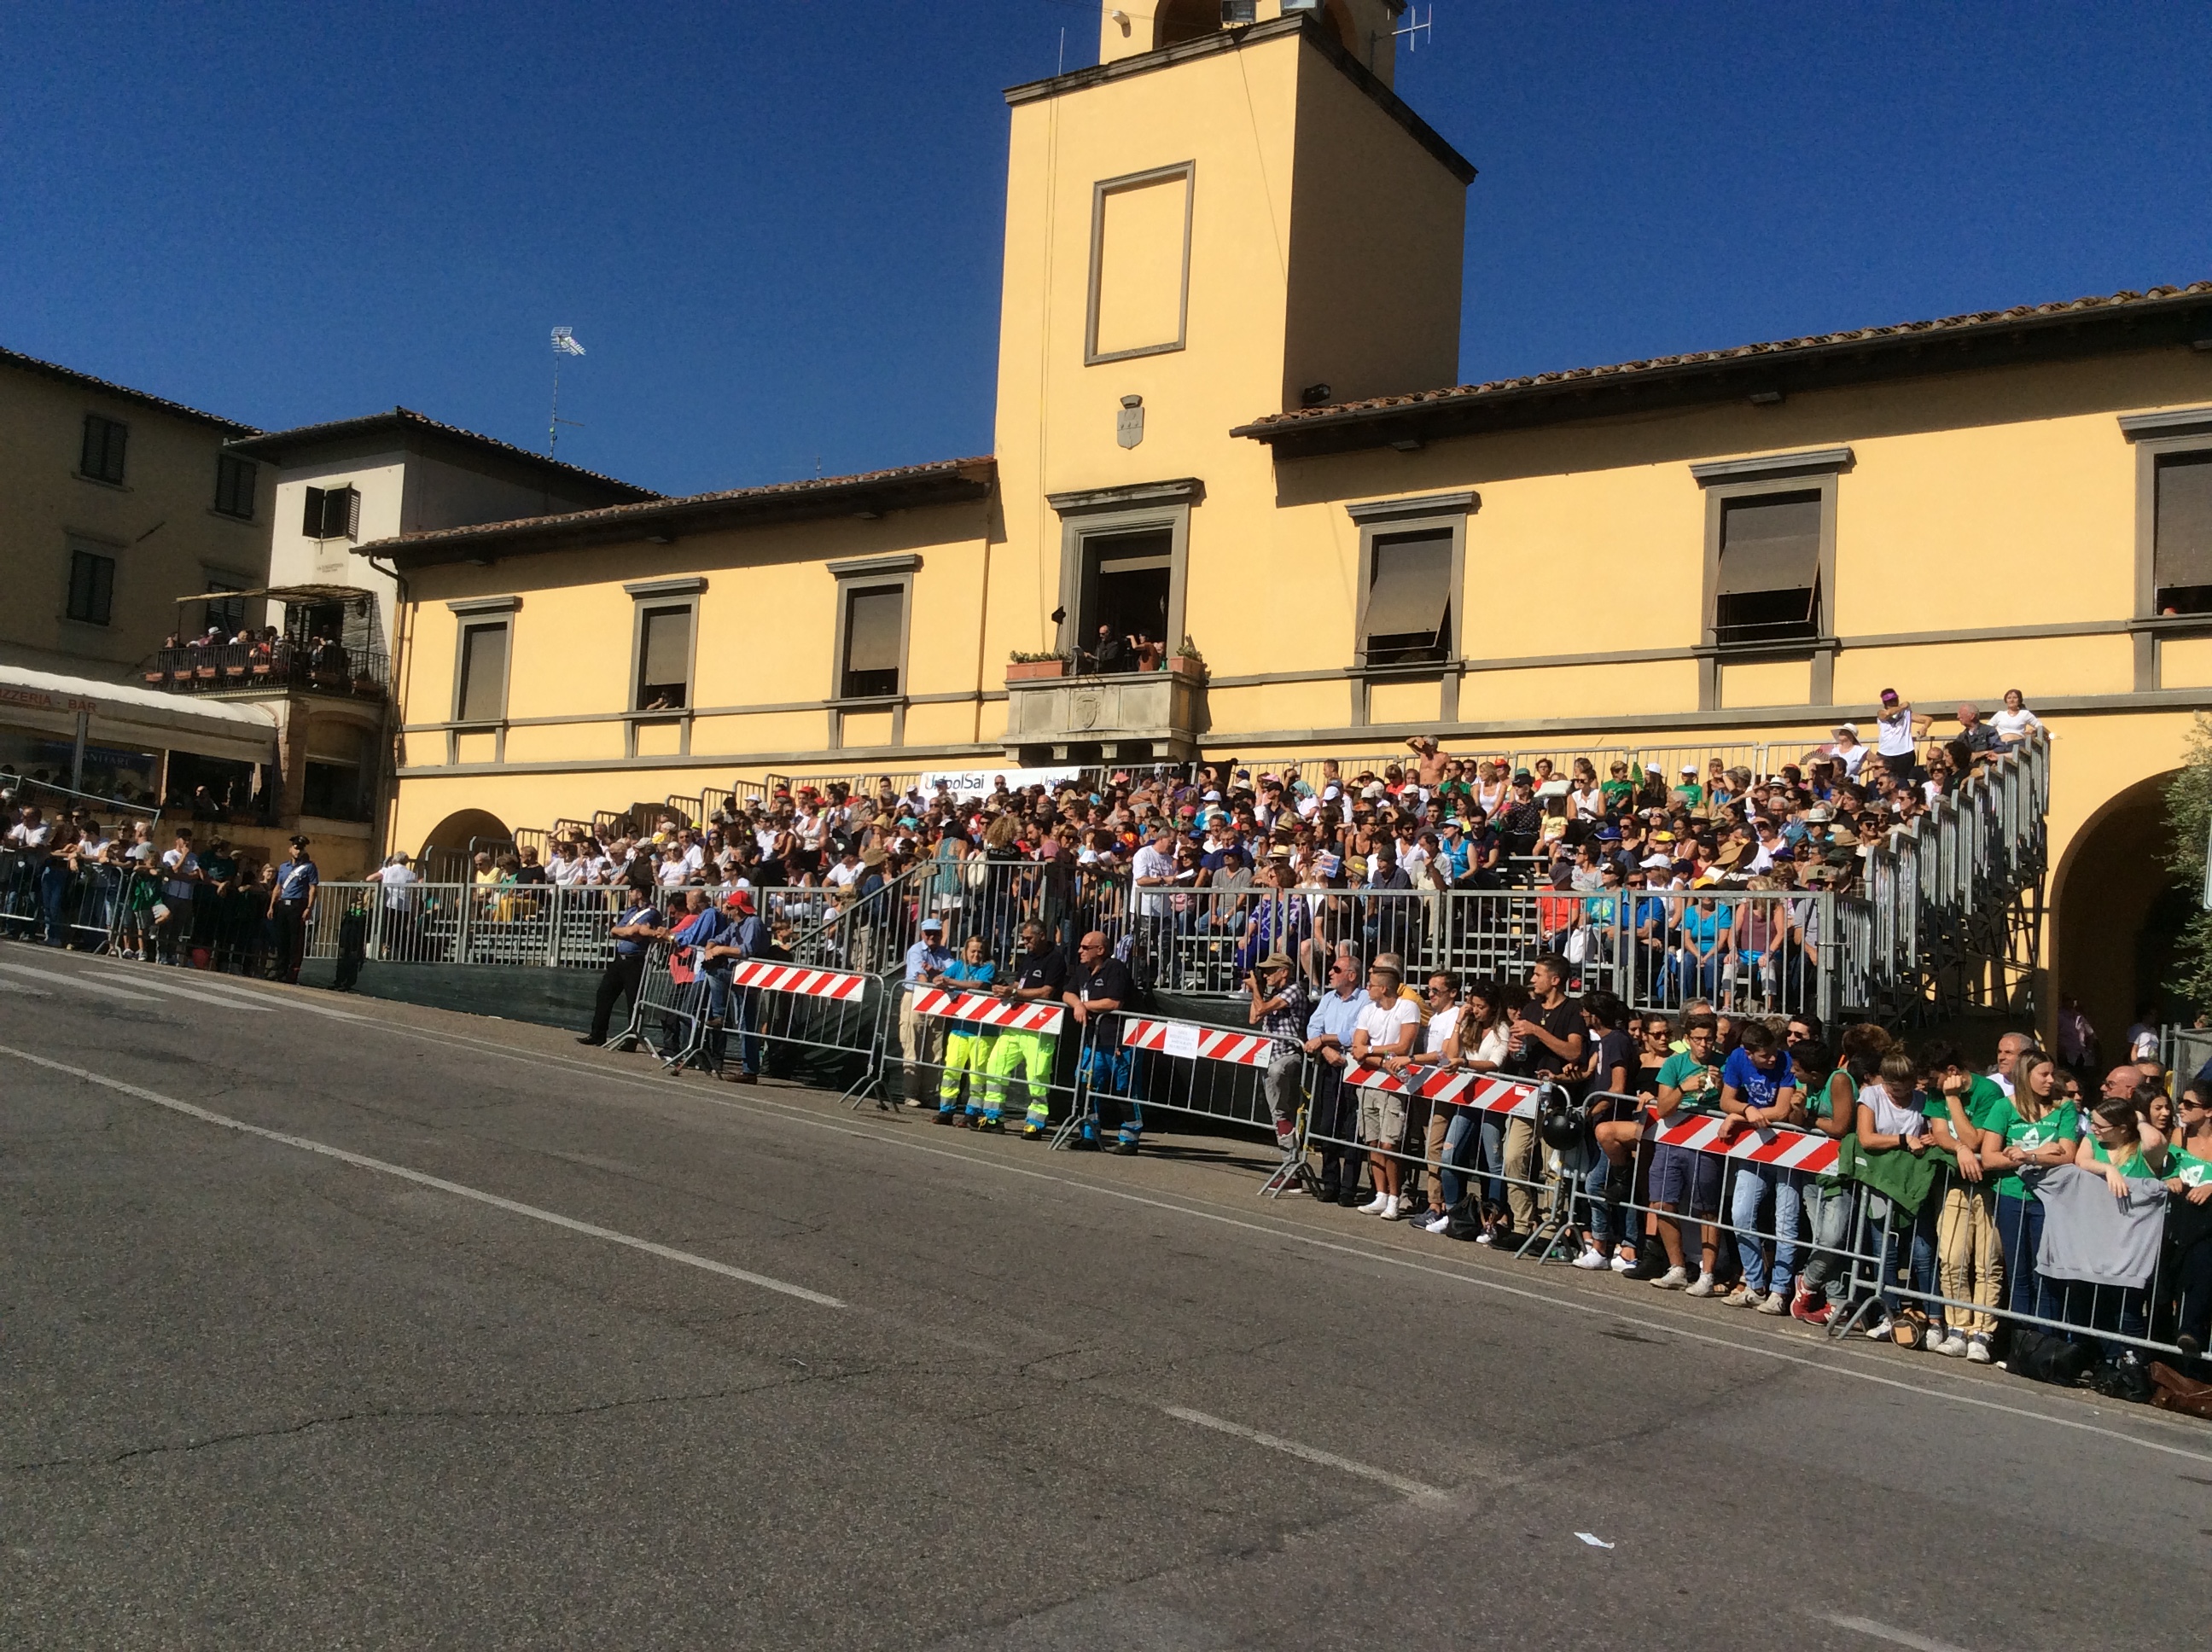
(564, 343)
(1416, 26)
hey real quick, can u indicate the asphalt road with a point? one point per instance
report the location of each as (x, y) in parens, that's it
(474, 1339)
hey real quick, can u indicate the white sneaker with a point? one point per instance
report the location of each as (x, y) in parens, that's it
(1620, 1263)
(1703, 1288)
(1393, 1209)
(1375, 1205)
(1953, 1345)
(1977, 1349)
(1482, 1238)
(1436, 1223)
(1673, 1280)
(1878, 1332)
(1591, 1259)
(1743, 1296)
(1772, 1302)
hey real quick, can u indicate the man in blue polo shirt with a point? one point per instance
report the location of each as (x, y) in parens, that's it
(637, 927)
(297, 880)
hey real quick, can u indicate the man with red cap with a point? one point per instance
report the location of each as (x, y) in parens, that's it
(740, 935)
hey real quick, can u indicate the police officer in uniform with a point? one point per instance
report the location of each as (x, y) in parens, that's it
(297, 880)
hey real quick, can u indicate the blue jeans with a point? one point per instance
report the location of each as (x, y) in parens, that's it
(1753, 1182)
(1459, 1141)
(1827, 1270)
(1607, 1227)
(53, 901)
(1922, 1238)
(1105, 1073)
(2019, 1233)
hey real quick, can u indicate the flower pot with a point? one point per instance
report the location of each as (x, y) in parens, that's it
(1024, 671)
(1187, 665)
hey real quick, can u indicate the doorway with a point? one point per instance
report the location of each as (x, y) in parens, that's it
(1126, 581)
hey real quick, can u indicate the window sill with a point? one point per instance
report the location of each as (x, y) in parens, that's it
(871, 701)
(1409, 668)
(106, 625)
(2170, 622)
(102, 481)
(230, 516)
(1789, 648)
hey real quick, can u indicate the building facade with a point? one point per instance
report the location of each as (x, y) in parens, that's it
(1232, 269)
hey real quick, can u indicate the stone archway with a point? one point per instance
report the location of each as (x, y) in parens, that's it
(2115, 910)
(457, 830)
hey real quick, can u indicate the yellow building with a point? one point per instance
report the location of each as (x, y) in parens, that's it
(1232, 270)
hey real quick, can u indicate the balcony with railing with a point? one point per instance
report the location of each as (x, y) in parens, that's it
(325, 667)
(1113, 716)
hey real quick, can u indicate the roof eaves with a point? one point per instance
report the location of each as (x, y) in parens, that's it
(108, 387)
(275, 445)
(865, 493)
(1567, 387)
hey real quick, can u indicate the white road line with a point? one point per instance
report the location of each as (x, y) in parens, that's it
(67, 980)
(1398, 1483)
(1884, 1632)
(28, 991)
(157, 980)
(363, 1161)
(207, 981)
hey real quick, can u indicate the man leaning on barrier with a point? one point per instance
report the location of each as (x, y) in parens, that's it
(921, 1037)
(739, 934)
(637, 927)
(1101, 989)
(1281, 1006)
(1336, 1115)
(1039, 975)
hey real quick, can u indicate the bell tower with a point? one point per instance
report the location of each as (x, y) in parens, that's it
(1230, 214)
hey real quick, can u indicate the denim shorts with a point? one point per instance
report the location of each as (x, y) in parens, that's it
(1683, 1178)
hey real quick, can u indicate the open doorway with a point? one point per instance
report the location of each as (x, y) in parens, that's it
(1125, 584)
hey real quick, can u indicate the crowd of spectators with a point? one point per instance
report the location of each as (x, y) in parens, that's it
(141, 892)
(2027, 1214)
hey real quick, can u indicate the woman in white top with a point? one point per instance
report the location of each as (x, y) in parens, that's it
(1476, 1043)
(1490, 791)
(2016, 722)
(1889, 1117)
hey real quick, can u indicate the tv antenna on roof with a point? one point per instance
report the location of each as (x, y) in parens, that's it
(564, 343)
(1416, 26)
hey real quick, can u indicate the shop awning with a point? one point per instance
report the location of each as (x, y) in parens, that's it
(136, 720)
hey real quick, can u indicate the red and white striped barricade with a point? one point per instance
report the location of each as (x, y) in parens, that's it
(1482, 1092)
(820, 1027)
(1787, 1149)
(1016, 1061)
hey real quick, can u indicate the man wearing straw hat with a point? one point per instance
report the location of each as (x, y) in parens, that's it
(1281, 1005)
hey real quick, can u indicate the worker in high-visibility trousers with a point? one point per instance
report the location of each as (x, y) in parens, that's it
(1039, 975)
(968, 1045)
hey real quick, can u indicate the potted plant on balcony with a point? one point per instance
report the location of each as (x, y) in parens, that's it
(1187, 661)
(1021, 665)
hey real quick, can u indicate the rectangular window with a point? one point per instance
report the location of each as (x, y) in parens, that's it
(226, 614)
(664, 658)
(91, 587)
(482, 697)
(875, 631)
(233, 486)
(1768, 590)
(331, 514)
(331, 791)
(1409, 600)
(2181, 545)
(102, 456)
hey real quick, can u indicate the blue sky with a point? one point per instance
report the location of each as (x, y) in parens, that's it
(776, 227)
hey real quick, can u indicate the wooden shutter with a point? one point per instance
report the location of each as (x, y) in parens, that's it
(483, 673)
(665, 653)
(1770, 543)
(2181, 548)
(1410, 591)
(873, 622)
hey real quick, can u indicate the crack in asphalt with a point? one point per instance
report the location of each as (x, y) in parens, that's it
(446, 1414)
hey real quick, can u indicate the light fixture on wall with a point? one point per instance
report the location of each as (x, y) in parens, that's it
(1314, 395)
(1122, 18)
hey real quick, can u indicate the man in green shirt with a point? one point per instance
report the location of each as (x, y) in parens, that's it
(1689, 1084)
(1960, 1104)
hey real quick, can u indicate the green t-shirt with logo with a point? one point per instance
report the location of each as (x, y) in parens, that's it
(2061, 1123)
(1681, 1066)
(2185, 1167)
(1823, 1102)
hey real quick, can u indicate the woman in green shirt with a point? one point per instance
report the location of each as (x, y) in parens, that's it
(2188, 1182)
(2034, 1130)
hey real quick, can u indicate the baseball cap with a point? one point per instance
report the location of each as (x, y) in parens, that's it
(932, 923)
(1851, 729)
(1889, 697)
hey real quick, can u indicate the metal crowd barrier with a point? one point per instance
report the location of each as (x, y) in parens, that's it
(1190, 1067)
(973, 1052)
